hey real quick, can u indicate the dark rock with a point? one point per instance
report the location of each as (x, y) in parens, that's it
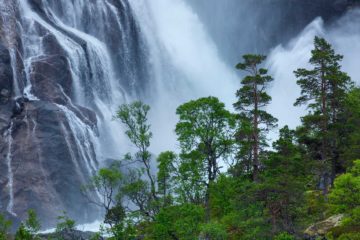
(51, 78)
(6, 75)
(47, 165)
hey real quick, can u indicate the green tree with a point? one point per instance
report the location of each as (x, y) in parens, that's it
(29, 229)
(106, 183)
(252, 99)
(323, 89)
(190, 178)
(165, 176)
(349, 136)
(65, 226)
(178, 222)
(344, 198)
(206, 127)
(283, 184)
(5, 226)
(134, 116)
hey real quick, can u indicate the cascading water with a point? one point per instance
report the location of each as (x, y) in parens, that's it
(71, 63)
(66, 72)
(284, 59)
(185, 63)
(10, 174)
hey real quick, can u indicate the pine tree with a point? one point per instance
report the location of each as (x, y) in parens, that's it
(252, 99)
(323, 89)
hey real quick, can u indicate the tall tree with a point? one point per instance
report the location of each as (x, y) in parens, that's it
(205, 127)
(134, 117)
(323, 89)
(140, 184)
(252, 99)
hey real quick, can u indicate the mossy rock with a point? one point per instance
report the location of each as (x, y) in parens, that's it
(323, 227)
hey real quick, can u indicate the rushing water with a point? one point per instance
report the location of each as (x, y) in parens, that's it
(158, 51)
(10, 176)
(344, 34)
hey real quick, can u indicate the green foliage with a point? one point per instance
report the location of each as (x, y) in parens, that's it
(106, 183)
(191, 179)
(165, 176)
(266, 193)
(255, 122)
(350, 137)
(180, 221)
(205, 125)
(345, 196)
(23, 234)
(29, 229)
(323, 89)
(283, 183)
(205, 130)
(32, 223)
(134, 118)
(64, 224)
(284, 236)
(5, 226)
(214, 231)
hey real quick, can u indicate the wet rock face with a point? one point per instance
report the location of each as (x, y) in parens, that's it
(38, 142)
(46, 148)
(51, 78)
(6, 75)
(47, 169)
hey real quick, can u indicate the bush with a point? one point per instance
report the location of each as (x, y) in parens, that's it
(214, 231)
(284, 236)
(4, 227)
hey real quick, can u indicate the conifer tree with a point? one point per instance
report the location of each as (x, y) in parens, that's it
(252, 99)
(323, 89)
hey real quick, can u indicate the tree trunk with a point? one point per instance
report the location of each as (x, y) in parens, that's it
(256, 135)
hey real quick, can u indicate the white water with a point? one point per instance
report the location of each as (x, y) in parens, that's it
(10, 184)
(283, 60)
(184, 61)
(85, 139)
(184, 64)
(96, 79)
(16, 87)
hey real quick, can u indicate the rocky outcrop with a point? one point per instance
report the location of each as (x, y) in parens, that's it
(320, 229)
(57, 83)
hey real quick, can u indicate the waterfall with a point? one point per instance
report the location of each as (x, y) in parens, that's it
(74, 62)
(185, 64)
(85, 138)
(15, 74)
(10, 184)
(284, 59)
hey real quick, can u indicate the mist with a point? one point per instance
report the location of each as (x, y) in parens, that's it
(343, 34)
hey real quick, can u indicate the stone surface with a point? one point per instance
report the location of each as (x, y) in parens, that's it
(321, 228)
(6, 75)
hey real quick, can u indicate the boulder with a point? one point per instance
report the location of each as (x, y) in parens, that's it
(323, 227)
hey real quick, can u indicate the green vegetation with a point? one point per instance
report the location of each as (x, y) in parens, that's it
(226, 182)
